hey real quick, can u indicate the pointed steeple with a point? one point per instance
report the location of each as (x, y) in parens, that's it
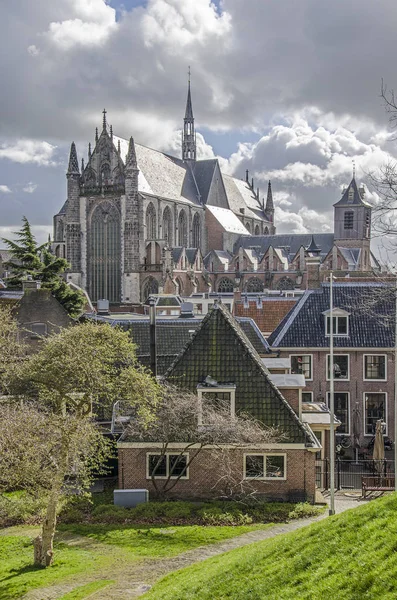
(130, 160)
(269, 208)
(188, 134)
(96, 134)
(82, 165)
(313, 248)
(73, 168)
(104, 119)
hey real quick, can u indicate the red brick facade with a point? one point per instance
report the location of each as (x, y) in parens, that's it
(204, 479)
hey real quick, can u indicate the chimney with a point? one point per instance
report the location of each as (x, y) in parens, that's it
(30, 284)
(186, 310)
(313, 272)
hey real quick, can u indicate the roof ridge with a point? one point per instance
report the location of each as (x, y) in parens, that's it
(291, 316)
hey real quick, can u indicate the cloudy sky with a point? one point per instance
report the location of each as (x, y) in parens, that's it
(289, 90)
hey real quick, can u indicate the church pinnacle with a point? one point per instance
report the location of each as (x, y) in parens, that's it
(269, 208)
(73, 168)
(188, 134)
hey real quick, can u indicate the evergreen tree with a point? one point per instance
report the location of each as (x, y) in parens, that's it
(36, 261)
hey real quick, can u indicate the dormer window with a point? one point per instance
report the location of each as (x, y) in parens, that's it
(340, 322)
(222, 396)
(350, 196)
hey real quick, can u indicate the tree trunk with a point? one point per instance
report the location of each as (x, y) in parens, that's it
(43, 544)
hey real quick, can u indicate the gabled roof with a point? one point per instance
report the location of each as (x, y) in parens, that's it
(222, 255)
(172, 335)
(371, 309)
(220, 349)
(289, 242)
(203, 172)
(176, 253)
(351, 196)
(239, 195)
(191, 254)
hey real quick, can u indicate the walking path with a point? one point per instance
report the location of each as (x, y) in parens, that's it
(135, 580)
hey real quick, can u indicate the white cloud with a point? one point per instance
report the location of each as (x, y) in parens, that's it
(4, 189)
(40, 232)
(33, 50)
(30, 187)
(29, 151)
(93, 22)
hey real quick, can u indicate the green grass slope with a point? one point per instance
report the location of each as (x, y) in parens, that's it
(352, 556)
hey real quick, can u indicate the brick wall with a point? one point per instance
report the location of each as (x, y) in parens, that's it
(204, 476)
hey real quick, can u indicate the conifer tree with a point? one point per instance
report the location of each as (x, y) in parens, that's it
(36, 261)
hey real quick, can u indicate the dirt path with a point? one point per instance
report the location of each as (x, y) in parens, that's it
(133, 580)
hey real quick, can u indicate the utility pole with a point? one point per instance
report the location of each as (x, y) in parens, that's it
(331, 397)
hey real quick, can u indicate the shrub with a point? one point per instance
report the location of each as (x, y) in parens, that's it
(108, 513)
(303, 510)
(17, 508)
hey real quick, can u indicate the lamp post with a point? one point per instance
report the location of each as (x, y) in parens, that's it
(331, 397)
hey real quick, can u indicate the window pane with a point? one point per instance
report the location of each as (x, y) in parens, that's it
(375, 408)
(177, 465)
(254, 466)
(307, 396)
(302, 365)
(375, 367)
(341, 326)
(157, 465)
(341, 366)
(216, 401)
(341, 409)
(274, 466)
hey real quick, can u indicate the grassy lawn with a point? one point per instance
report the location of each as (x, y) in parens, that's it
(91, 551)
(351, 556)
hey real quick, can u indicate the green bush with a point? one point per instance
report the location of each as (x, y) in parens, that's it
(108, 513)
(17, 508)
(217, 517)
(303, 510)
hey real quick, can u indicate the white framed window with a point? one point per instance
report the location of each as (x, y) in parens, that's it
(215, 396)
(340, 322)
(307, 396)
(375, 367)
(302, 364)
(169, 465)
(342, 411)
(375, 408)
(341, 366)
(265, 466)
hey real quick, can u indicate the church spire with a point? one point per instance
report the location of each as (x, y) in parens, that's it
(73, 168)
(269, 208)
(188, 134)
(130, 160)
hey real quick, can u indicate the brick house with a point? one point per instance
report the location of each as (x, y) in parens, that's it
(220, 349)
(363, 355)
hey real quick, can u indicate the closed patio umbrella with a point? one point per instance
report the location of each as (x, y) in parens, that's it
(379, 447)
(356, 427)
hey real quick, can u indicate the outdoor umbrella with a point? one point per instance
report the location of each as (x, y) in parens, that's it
(379, 447)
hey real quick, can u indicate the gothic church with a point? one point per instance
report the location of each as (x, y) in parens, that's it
(137, 221)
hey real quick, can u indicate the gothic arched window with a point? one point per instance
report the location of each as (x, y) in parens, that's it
(180, 286)
(266, 232)
(196, 231)
(248, 227)
(285, 283)
(257, 230)
(105, 174)
(225, 285)
(150, 286)
(167, 226)
(182, 229)
(151, 229)
(254, 285)
(104, 253)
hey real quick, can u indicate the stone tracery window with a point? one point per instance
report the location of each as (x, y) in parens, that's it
(151, 229)
(196, 231)
(254, 284)
(167, 226)
(150, 286)
(182, 229)
(285, 283)
(225, 285)
(104, 246)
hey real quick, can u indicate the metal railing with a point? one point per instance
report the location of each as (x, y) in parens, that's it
(348, 473)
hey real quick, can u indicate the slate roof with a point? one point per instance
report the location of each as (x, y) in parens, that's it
(371, 322)
(223, 256)
(228, 220)
(176, 253)
(203, 173)
(172, 335)
(191, 254)
(356, 199)
(220, 349)
(238, 190)
(290, 242)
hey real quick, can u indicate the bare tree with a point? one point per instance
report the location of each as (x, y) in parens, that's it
(177, 421)
(11, 349)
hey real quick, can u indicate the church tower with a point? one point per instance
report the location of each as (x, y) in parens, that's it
(352, 223)
(188, 134)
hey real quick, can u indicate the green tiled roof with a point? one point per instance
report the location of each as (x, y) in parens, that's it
(219, 348)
